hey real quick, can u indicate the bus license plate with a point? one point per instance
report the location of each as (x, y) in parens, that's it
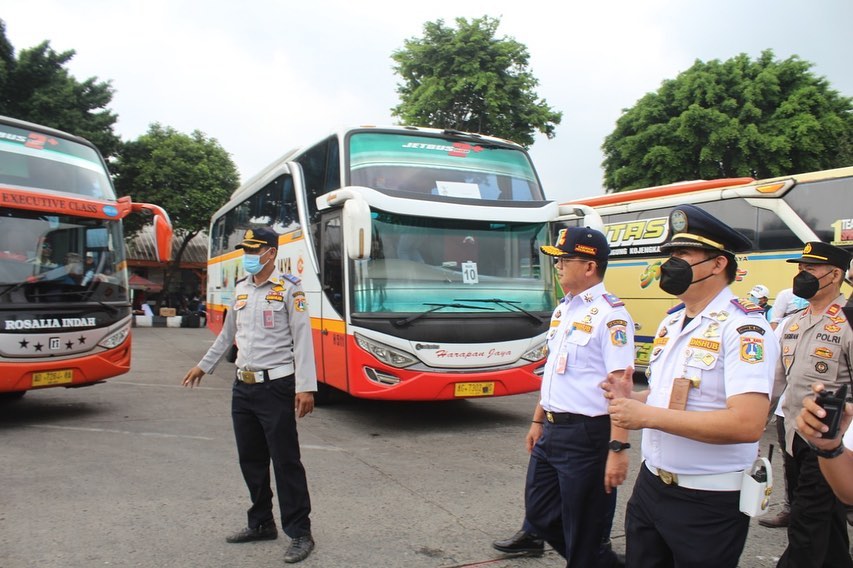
(49, 378)
(474, 389)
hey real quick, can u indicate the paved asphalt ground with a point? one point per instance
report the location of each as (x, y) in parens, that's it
(141, 472)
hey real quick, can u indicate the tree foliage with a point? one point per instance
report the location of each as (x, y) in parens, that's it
(466, 79)
(38, 88)
(190, 176)
(737, 118)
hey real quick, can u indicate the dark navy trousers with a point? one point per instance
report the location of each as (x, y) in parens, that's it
(265, 427)
(565, 502)
(668, 526)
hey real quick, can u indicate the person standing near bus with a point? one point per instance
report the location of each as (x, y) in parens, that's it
(760, 295)
(577, 458)
(817, 347)
(710, 378)
(275, 382)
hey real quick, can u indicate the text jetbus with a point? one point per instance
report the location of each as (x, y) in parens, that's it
(778, 215)
(65, 316)
(418, 250)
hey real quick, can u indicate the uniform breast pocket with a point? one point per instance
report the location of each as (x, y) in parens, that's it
(703, 365)
(822, 365)
(578, 349)
(278, 311)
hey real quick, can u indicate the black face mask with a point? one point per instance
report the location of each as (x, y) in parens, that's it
(806, 284)
(676, 275)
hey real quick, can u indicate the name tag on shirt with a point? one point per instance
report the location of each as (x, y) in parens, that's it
(678, 396)
(269, 321)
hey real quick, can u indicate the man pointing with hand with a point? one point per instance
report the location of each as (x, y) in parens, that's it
(276, 380)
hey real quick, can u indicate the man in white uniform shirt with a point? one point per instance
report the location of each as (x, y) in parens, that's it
(710, 375)
(577, 459)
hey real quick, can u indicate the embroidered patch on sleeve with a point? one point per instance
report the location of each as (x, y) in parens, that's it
(752, 349)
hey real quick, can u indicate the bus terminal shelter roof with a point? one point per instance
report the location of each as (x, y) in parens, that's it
(137, 282)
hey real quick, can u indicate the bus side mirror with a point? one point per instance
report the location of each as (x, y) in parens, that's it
(162, 239)
(357, 228)
(162, 229)
(590, 217)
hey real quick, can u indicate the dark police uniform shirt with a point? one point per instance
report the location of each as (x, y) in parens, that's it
(730, 349)
(272, 327)
(813, 351)
(591, 334)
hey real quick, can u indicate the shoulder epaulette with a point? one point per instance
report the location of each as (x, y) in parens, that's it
(614, 301)
(291, 278)
(746, 306)
(242, 279)
(674, 309)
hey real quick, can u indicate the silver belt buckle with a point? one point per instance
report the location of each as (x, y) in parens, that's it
(247, 377)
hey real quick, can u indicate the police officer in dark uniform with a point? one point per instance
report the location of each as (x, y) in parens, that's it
(275, 382)
(817, 348)
(710, 378)
(577, 460)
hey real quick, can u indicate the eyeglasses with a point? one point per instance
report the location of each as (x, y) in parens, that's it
(561, 260)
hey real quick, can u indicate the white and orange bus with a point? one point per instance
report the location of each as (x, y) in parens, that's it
(779, 215)
(418, 250)
(65, 315)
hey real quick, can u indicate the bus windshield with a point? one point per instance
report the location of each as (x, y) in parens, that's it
(59, 258)
(466, 266)
(418, 166)
(40, 161)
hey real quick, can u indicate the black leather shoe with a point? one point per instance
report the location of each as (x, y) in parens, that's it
(609, 558)
(261, 532)
(299, 549)
(781, 520)
(521, 543)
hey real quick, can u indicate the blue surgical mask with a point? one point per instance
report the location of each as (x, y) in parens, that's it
(252, 263)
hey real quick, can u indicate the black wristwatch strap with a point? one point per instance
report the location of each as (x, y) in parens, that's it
(829, 454)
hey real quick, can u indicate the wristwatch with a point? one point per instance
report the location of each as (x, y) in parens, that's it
(826, 454)
(617, 446)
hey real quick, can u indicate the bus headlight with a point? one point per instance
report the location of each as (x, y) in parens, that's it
(115, 339)
(537, 353)
(384, 353)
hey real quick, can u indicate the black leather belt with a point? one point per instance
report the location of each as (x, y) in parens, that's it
(572, 418)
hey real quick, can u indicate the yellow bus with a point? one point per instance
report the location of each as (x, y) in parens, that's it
(778, 215)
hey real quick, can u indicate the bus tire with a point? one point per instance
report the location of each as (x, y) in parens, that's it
(11, 396)
(326, 395)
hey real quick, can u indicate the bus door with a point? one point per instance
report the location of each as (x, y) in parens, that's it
(333, 368)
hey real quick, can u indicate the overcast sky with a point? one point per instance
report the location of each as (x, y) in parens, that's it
(264, 76)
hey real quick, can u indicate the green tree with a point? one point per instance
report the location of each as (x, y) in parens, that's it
(36, 87)
(466, 79)
(737, 118)
(190, 176)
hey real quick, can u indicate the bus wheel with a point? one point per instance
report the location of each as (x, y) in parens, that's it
(10, 396)
(326, 395)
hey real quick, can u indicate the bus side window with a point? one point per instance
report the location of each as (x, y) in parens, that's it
(774, 234)
(321, 171)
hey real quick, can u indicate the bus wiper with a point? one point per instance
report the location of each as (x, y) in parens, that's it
(435, 308)
(11, 288)
(506, 304)
(87, 296)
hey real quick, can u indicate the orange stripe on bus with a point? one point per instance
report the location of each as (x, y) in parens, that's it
(662, 191)
(284, 239)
